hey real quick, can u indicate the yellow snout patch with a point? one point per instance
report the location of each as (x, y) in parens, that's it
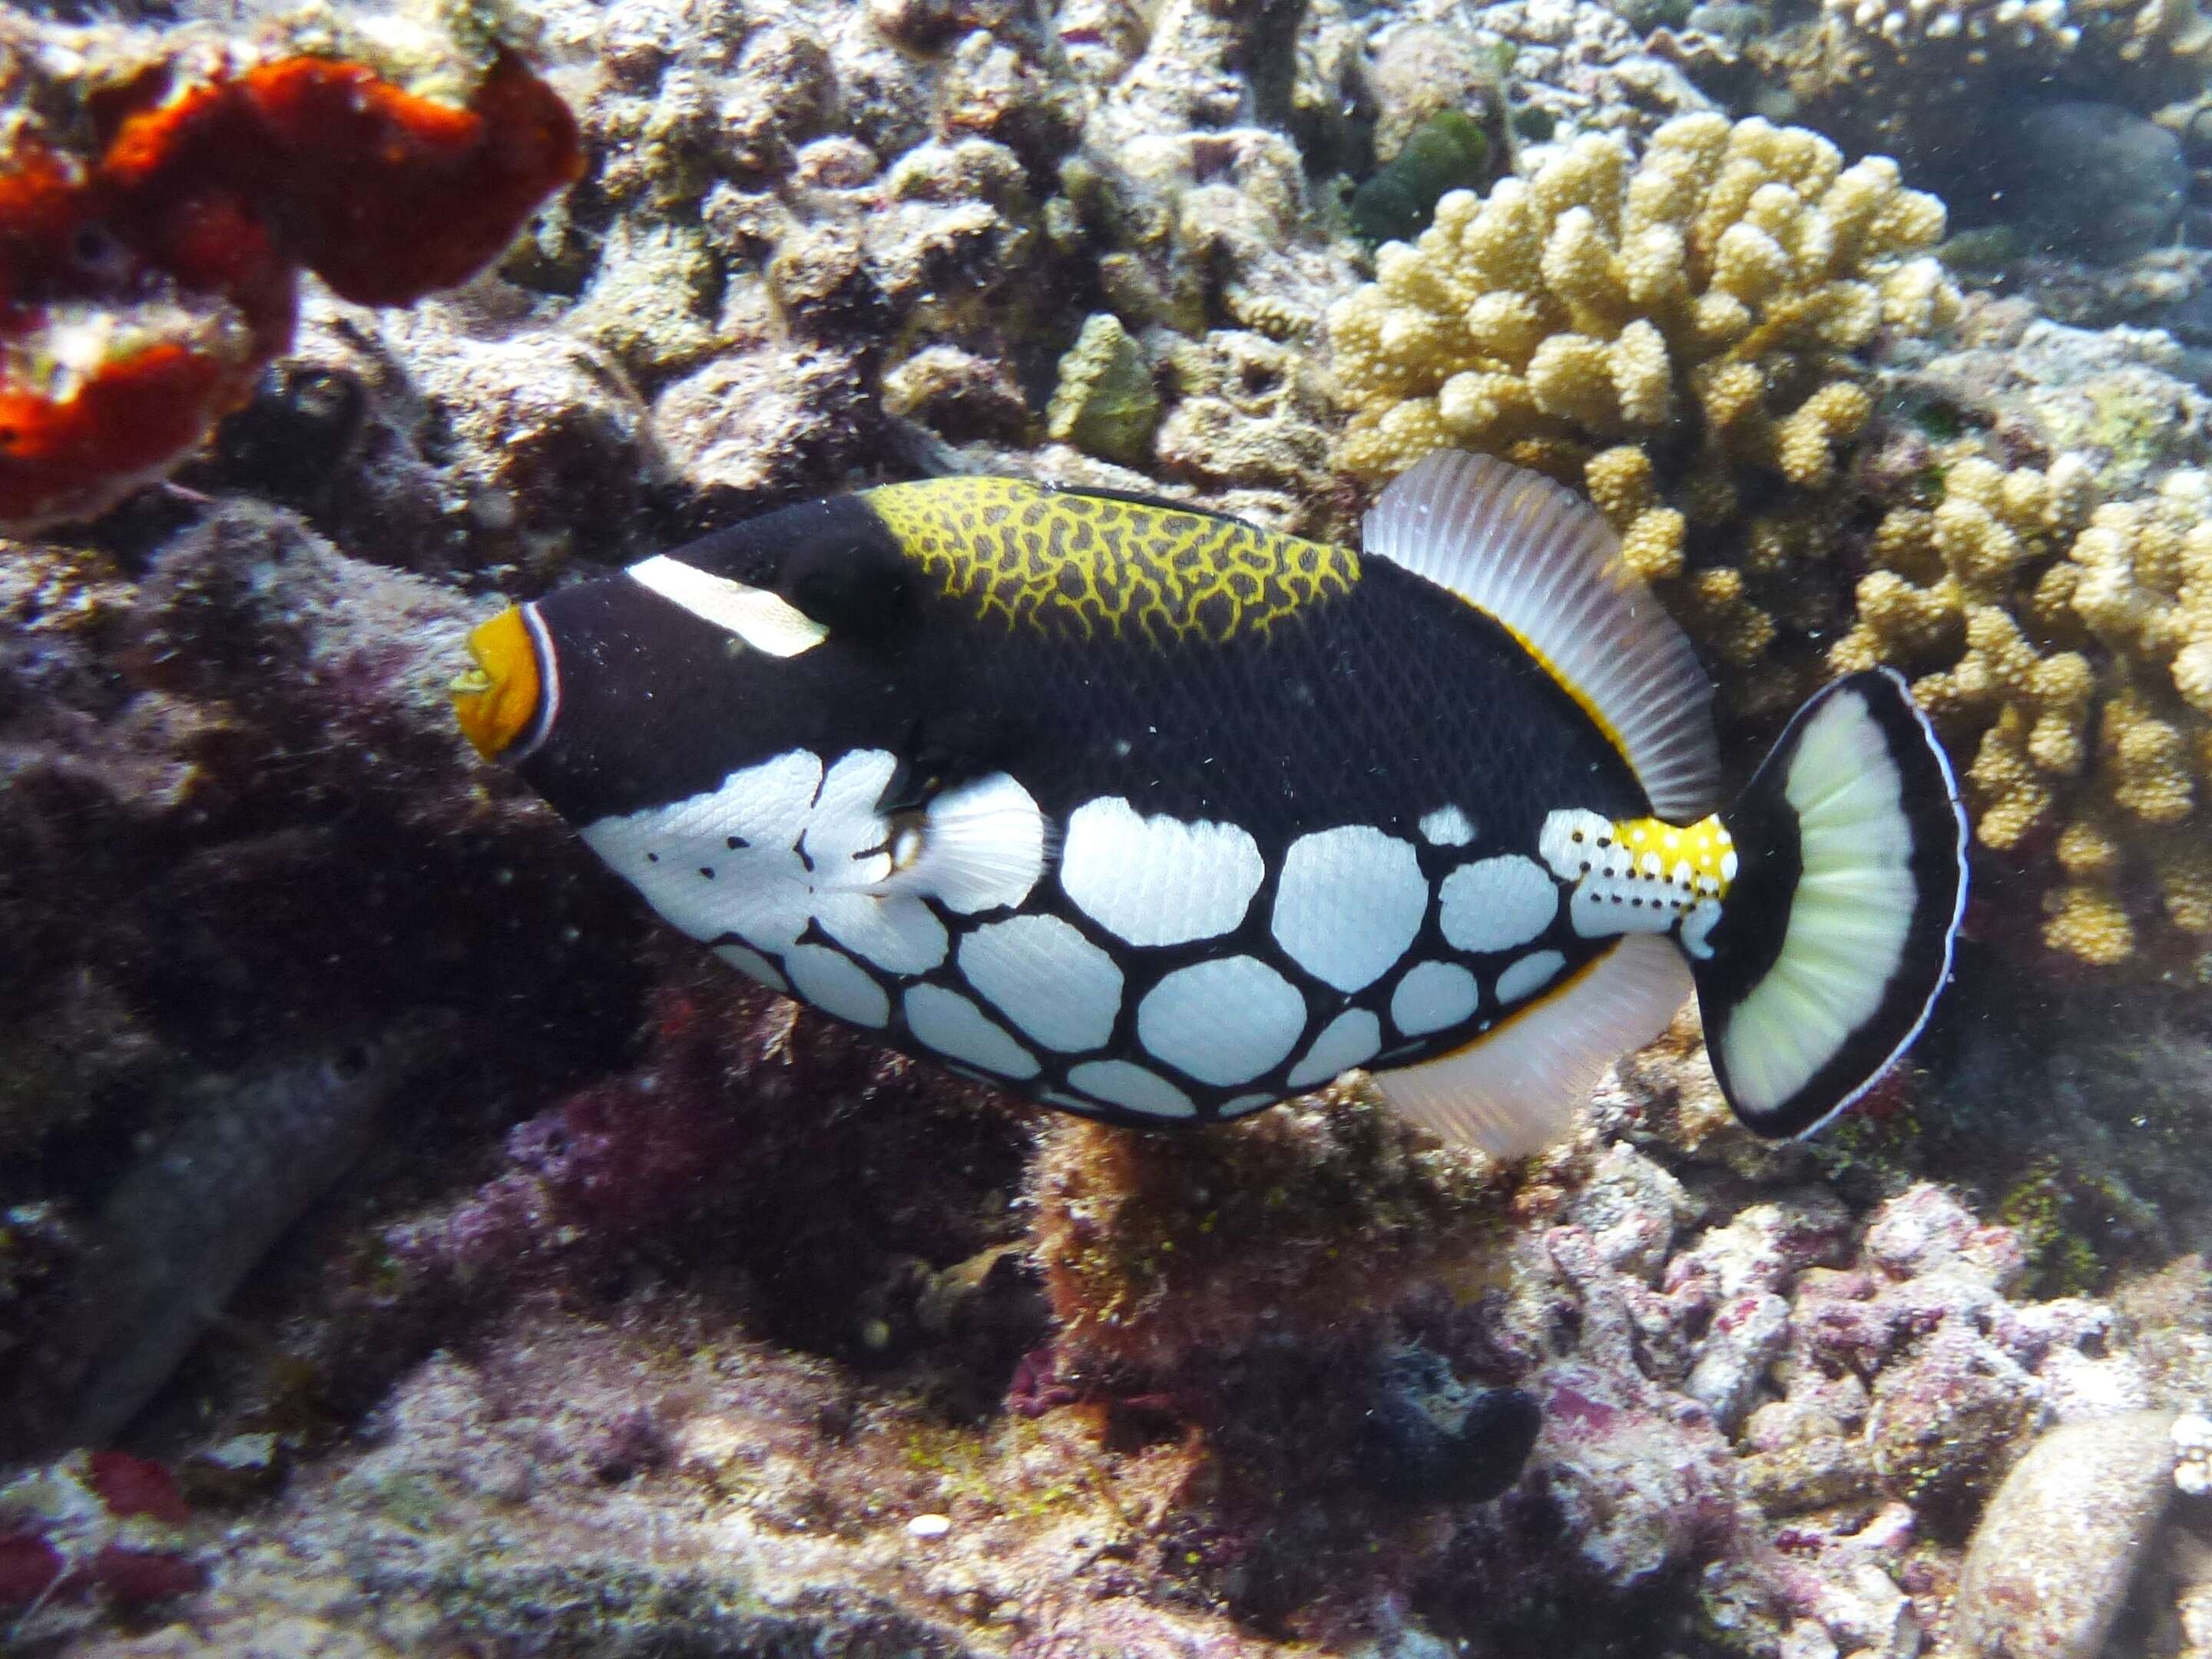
(497, 700)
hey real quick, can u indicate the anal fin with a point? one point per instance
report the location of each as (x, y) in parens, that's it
(1514, 1089)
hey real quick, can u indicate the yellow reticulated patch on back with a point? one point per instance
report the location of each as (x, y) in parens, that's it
(1093, 567)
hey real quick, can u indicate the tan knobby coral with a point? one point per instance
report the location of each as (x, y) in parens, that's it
(1722, 283)
(2065, 643)
(2138, 52)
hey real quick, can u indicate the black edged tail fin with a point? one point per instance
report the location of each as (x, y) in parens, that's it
(1835, 937)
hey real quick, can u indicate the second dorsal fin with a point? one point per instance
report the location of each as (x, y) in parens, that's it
(1544, 563)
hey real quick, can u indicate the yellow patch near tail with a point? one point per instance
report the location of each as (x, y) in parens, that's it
(1696, 860)
(1093, 565)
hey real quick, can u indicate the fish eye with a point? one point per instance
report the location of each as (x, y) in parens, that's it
(100, 252)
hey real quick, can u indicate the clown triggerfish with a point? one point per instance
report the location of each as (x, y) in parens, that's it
(1161, 817)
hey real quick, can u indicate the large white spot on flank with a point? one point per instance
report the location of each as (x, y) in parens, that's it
(745, 831)
(1158, 880)
(898, 935)
(1120, 1083)
(843, 849)
(844, 838)
(1047, 978)
(1494, 904)
(1447, 827)
(1528, 975)
(1244, 1105)
(836, 984)
(1352, 1038)
(774, 846)
(1222, 1022)
(1433, 997)
(753, 965)
(1068, 1103)
(953, 1026)
(1348, 903)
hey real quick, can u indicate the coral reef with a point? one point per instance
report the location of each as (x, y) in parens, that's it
(2054, 618)
(658, 1316)
(1149, 1248)
(1726, 280)
(1941, 86)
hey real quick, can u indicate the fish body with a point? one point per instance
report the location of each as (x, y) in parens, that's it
(186, 1224)
(1162, 818)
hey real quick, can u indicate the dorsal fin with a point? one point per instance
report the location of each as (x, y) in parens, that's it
(1546, 564)
(1145, 498)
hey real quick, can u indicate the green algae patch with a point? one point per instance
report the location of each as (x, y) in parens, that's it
(1105, 403)
(1446, 152)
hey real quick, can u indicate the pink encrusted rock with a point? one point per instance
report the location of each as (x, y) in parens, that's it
(1924, 1230)
(2050, 1565)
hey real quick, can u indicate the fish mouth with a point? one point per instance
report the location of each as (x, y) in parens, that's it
(496, 698)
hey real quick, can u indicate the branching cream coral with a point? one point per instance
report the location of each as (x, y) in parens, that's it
(2064, 644)
(1722, 285)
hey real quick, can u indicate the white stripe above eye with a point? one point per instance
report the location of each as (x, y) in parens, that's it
(760, 618)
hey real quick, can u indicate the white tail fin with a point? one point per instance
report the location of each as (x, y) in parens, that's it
(1836, 937)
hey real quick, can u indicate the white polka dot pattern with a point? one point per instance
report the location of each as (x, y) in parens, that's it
(1157, 880)
(1045, 976)
(1495, 904)
(753, 965)
(1118, 1083)
(1528, 975)
(1348, 903)
(1433, 995)
(834, 982)
(1352, 1038)
(1447, 826)
(1223, 1022)
(949, 1023)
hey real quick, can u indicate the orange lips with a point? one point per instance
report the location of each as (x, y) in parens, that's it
(497, 701)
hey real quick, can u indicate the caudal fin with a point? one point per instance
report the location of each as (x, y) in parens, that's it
(1836, 936)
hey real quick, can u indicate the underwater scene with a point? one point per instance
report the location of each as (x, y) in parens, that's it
(1106, 828)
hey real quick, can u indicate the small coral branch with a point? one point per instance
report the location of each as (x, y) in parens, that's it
(2064, 642)
(142, 289)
